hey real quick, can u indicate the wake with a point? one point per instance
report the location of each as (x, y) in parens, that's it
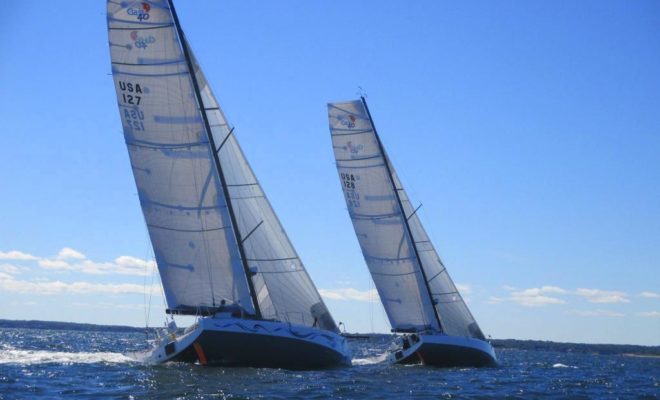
(31, 357)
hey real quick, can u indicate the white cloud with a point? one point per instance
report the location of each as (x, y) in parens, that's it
(532, 297)
(16, 255)
(650, 295)
(70, 260)
(135, 264)
(597, 313)
(10, 269)
(495, 300)
(552, 289)
(113, 306)
(649, 314)
(55, 264)
(5, 276)
(123, 265)
(68, 253)
(350, 294)
(602, 296)
(9, 284)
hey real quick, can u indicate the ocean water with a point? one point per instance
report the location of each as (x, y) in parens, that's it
(53, 364)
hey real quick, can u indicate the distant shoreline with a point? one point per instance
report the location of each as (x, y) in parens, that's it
(628, 350)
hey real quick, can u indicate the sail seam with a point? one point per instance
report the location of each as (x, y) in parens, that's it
(148, 64)
(138, 29)
(115, 71)
(359, 159)
(272, 259)
(398, 274)
(350, 132)
(180, 207)
(166, 146)
(360, 167)
(188, 230)
(374, 217)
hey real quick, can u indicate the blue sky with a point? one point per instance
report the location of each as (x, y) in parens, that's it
(529, 130)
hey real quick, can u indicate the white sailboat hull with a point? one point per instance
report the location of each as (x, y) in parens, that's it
(254, 343)
(444, 351)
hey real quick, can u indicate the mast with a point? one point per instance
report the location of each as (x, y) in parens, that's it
(207, 126)
(405, 218)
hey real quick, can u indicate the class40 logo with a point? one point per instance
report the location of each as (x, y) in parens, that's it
(348, 122)
(141, 12)
(353, 148)
(141, 42)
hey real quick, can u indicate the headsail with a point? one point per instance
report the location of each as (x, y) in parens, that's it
(284, 289)
(407, 271)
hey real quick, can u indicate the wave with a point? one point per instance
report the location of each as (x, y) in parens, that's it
(370, 360)
(28, 357)
(560, 365)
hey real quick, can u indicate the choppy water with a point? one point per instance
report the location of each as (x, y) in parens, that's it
(37, 364)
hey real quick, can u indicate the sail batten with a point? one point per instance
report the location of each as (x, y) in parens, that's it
(421, 295)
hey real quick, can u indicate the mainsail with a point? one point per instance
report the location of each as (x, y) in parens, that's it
(183, 182)
(412, 282)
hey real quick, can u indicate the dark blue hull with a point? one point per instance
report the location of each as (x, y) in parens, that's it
(447, 351)
(234, 342)
(233, 349)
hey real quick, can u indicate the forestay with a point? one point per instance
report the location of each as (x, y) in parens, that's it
(379, 218)
(178, 185)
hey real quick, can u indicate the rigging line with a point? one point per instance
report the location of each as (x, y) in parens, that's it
(398, 197)
(413, 213)
(251, 232)
(230, 209)
(225, 139)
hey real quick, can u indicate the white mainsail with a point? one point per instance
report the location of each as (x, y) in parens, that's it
(181, 188)
(412, 282)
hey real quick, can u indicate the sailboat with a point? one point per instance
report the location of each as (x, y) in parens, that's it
(222, 254)
(421, 301)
